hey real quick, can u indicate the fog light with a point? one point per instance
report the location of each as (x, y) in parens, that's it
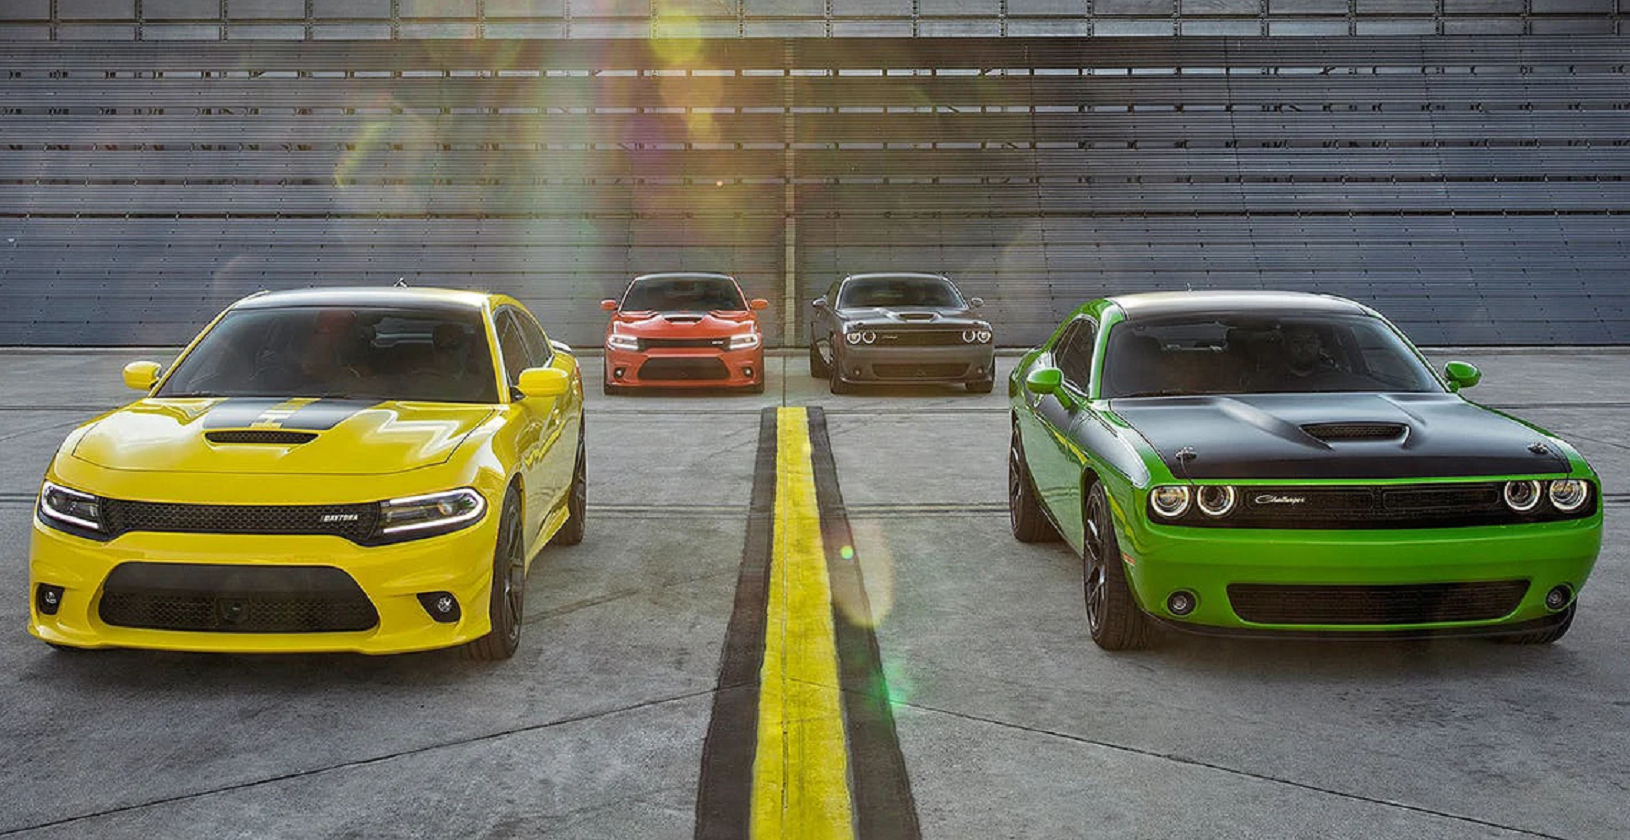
(1180, 602)
(747, 371)
(855, 372)
(48, 599)
(617, 373)
(1558, 597)
(441, 606)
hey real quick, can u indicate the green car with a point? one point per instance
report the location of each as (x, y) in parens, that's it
(1244, 462)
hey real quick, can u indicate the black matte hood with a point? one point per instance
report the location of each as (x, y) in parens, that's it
(1272, 436)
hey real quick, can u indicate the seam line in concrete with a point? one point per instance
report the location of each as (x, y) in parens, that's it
(1234, 771)
(347, 765)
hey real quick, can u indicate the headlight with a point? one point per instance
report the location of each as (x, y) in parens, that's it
(852, 338)
(70, 509)
(1215, 500)
(976, 336)
(745, 341)
(411, 517)
(1170, 500)
(869, 337)
(1569, 494)
(618, 341)
(1521, 496)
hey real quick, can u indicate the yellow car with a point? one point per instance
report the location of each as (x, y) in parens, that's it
(365, 470)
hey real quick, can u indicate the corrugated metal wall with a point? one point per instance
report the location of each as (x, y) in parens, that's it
(1472, 188)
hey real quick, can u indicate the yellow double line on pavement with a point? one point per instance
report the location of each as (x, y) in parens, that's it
(801, 768)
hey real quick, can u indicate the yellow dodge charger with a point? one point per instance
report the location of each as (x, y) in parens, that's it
(362, 470)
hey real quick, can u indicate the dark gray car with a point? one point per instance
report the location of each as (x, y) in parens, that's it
(900, 328)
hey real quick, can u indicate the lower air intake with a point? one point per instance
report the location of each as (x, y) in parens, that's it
(1376, 605)
(235, 599)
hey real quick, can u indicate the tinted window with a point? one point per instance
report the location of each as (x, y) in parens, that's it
(359, 353)
(684, 294)
(512, 344)
(1074, 353)
(537, 345)
(900, 291)
(1254, 354)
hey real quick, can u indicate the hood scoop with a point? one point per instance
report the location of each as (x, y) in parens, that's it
(916, 316)
(1336, 432)
(682, 318)
(262, 436)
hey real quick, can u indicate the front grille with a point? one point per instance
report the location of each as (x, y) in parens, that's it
(1449, 505)
(920, 338)
(937, 370)
(263, 436)
(1355, 431)
(683, 369)
(1379, 605)
(662, 343)
(214, 598)
(353, 522)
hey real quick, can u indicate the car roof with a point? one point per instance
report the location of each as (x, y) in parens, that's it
(398, 296)
(1159, 304)
(909, 275)
(677, 275)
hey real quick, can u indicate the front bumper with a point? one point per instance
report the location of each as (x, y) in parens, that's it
(390, 576)
(947, 363)
(685, 367)
(1162, 559)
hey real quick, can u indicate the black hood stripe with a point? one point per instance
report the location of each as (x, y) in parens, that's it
(271, 413)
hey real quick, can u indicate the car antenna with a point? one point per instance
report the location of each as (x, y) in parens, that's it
(1184, 456)
(401, 282)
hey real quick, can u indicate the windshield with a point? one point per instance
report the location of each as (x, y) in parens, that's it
(357, 353)
(1295, 353)
(899, 291)
(682, 294)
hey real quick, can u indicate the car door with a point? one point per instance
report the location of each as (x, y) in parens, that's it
(1058, 460)
(561, 427)
(529, 417)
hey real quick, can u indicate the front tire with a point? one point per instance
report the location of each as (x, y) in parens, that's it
(838, 385)
(818, 368)
(1114, 618)
(1024, 514)
(576, 499)
(508, 600)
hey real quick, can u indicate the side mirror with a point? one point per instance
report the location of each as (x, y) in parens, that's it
(608, 305)
(141, 376)
(759, 304)
(976, 303)
(1462, 375)
(1044, 380)
(818, 303)
(544, 382)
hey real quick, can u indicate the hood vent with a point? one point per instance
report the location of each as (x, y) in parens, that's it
(266, 436)
(916, 316)
(682, 319)
(1355, 431)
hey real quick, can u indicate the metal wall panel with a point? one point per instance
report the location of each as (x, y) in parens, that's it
(1471, 188)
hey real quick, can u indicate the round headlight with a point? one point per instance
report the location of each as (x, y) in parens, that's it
(1569, 494)
(984, 336)
(869, 337)
(1215, 500)
(1521, 496)
(852, 338)
(970, 336)
(1170, 500)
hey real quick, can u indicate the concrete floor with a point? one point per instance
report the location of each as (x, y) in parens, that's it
(1012, 724)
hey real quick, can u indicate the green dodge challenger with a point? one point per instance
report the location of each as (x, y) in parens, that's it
(1240, 462)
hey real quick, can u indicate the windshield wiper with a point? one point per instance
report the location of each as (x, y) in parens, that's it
(1164, 392)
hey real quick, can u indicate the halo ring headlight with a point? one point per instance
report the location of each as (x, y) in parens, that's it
(1522, 496)
(1216, 500)
(1569, 494)
(1170, 500)
(869, 337)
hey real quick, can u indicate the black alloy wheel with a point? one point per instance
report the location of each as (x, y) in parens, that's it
(1024, 514)
(839, 386)
(818, 368)
(508, 601)
(577, 498)
(1113, 616)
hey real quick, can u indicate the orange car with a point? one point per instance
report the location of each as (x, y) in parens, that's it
(684, 330)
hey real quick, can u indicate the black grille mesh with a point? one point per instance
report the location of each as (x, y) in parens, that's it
(716, 343)
(936, 370)
(1355, 431)
(265, 436)
(1378, 605)
(683, 369)
(920, 338)
(353, 522)
(234, 599)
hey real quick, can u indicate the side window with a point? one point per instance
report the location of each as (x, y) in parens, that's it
(512, 344)
(537, 346)
(1075, 356)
